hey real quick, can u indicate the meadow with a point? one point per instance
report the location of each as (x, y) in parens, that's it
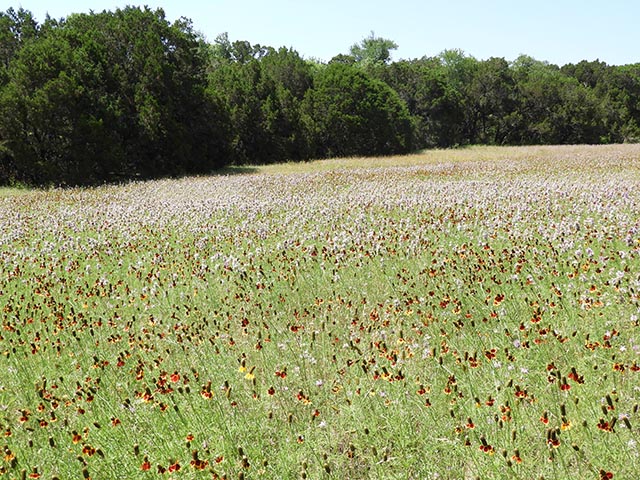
(453, 314)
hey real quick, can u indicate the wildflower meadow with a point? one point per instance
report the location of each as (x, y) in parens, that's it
(454, 314)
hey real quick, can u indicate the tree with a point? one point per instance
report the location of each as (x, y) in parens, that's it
(492, 90)
(353, 114)
(459, 71)
(111, 95)
(554, 108)
(225, 51)
(342, 58)
(41, 114)
(373, 50)
(292, 79)
(620, 88)
(263, 93)
(431, 100)
(16, 29)
(589, 74)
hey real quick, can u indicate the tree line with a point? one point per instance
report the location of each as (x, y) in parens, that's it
(126, 94)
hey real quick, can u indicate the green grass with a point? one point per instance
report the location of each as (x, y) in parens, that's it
(11, 191)
(454, 314)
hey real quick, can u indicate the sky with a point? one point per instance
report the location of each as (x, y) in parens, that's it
(557, 31)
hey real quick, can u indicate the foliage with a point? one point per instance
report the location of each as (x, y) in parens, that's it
(434, 103)
(373, 50)
(354, 114)
(108, 96)
(262, 89)
(492, 91)
(555, 108)
(16, 29)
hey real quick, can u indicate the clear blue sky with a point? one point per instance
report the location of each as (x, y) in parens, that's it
(558, 31)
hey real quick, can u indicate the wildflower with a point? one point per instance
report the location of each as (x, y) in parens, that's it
(619, 367)
(196, 463)
(519, 393)
(206, 392)
(573, 375)
(604, 425)
(545, 418)
(516, 456)
(488, 449)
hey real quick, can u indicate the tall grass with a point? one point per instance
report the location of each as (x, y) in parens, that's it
(468, 314)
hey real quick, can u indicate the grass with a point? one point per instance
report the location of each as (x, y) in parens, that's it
(452, 314)
(11, 191)
(456, 157)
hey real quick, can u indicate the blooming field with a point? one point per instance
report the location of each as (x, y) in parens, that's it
(447, 315)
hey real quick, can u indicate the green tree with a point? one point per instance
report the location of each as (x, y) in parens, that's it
(111, 95)
(353, 114)
(263, 93)
(555, 108)
(292, 78)
(493, 103)
(459, 71)
(342, 58)
(431, 100)
(373, 50)
(224, 50)
(39, 109)
(16, 29)
(620, 87)
(589, 74)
